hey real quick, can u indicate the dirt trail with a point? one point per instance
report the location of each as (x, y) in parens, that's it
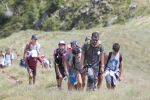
(12, 78)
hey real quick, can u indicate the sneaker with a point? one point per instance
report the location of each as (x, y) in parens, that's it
(76, 86)
(59, 88)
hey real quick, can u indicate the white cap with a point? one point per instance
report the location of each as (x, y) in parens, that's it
(61, 42)
(34, 53)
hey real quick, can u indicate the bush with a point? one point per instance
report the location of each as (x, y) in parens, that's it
(51, 24)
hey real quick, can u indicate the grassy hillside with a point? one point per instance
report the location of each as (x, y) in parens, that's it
(134, 38)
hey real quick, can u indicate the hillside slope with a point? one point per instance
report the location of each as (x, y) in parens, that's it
(134, 39)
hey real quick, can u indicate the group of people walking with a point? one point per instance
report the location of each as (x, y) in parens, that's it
(86, 65)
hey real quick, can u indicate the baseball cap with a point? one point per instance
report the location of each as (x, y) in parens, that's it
(75, 51)
(74, 42)
(34, 37)
(34, 53)
(61, 42)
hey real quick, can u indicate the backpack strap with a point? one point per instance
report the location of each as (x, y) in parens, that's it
(29, 44)
(73, 60)
(89, 44)
(99, 44)
(120, 58)
(109, 56)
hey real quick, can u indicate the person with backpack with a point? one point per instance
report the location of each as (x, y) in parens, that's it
(92, 53)
(2, 59)
(74, 44)
(74, 66)
(58, 62)
(114, 67)
(46, 62)
(32, 45)
(9, 57)
(31, 63)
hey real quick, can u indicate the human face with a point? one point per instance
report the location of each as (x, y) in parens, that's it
(76, 55)
(8, 51)
(94, 41)
(33, 41)
(61, 46)
(114, 52)
(73, 46)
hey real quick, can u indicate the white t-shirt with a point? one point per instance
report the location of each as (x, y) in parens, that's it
(8, 58)
(2, 59)
(35, 47)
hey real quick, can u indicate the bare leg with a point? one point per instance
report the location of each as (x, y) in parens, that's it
(83, 76)
(33, 80)
(79, 79)
(100, 79)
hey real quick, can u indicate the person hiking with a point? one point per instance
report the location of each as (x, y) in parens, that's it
(114, 67)
(100, 75)
(74, 66)
(92, 52)
(32, 45)
(31, 63)
(58, 62)
(46, 62)
(74, 44)
(2, 59)
(9, 57)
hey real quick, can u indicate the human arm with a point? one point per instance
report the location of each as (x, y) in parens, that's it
(25, 50)
(121, 70)
(102, 59)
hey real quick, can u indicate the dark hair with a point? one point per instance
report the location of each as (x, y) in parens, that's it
(75, 51)
(116, 47)
(95, 34)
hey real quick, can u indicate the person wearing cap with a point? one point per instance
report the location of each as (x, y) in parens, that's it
(31, 63)
(74, 66)
(92, 53)
(33, 44)
(58, 63)
(114, 67)
(74, 44)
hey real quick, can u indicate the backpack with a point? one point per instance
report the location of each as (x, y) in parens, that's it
(120, 58)
(48, 60)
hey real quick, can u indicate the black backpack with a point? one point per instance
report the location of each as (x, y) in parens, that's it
(120, 58)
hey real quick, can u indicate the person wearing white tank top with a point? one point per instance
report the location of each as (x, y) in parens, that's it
(114, 67)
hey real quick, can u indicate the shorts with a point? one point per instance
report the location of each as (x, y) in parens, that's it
(109, 79)
(34, 72)
(62, 72)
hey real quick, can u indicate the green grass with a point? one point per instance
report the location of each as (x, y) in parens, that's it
(134, 39)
